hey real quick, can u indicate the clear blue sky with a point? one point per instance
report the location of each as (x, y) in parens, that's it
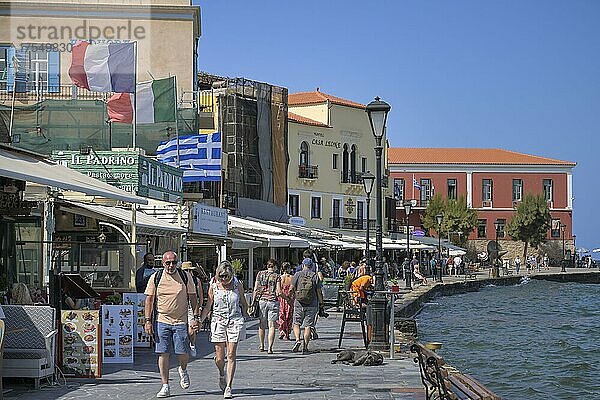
(522, 75)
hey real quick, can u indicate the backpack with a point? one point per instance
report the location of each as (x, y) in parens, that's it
(306, 290)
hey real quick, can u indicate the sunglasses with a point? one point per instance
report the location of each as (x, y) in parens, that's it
(224, 276)
(171, 262)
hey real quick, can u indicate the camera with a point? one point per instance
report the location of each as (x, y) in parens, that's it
(322, 313)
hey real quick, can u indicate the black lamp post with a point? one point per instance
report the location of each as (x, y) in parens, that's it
(368, 179)
(496, 274)
(377, 111)
(564, 262)
(408, 274)
(439, 218)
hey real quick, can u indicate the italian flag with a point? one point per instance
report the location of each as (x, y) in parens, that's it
(155, 102)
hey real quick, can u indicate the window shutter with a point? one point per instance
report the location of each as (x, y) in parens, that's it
(21, 70)
(10, 79)
(53, 72)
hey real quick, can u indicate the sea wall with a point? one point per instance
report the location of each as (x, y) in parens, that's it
(411, 302)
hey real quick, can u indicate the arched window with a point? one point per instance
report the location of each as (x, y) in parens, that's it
(353, 164)
(345, 162)
(304, 154)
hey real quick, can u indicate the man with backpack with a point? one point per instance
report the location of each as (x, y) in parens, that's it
(168, 294)
(307, 287)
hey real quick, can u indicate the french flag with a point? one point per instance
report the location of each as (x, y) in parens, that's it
(103, 67)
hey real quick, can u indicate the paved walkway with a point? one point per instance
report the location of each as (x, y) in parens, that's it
(282, 375)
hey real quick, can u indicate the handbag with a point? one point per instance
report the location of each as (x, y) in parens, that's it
(255, 308)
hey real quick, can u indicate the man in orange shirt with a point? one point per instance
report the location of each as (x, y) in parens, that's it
(174, 290)
(360, 286)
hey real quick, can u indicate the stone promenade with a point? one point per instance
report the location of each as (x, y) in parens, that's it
(282, 375)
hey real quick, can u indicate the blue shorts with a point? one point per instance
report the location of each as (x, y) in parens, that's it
(169, 337)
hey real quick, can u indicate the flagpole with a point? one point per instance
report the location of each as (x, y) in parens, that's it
(413, 187)
(134, 133)
(176, 118)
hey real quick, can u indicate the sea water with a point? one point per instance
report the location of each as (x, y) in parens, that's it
(534, 340)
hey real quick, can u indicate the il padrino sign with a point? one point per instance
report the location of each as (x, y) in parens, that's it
(129, 171)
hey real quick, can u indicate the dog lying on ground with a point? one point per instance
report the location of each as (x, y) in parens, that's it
(350, 357)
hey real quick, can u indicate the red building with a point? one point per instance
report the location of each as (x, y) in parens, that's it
(493, 182)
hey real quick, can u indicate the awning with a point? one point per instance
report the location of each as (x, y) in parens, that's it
(27, 166)
(78, 287)
(123, 216)
(272, 240)
(243, 244)
(344, 244)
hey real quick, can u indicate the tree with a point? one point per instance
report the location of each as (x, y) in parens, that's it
(531, 222)
(460, 218)
(437, 205)
(457, 217)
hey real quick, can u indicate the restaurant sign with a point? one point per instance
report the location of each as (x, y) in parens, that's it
(207, 220)
(128, 171)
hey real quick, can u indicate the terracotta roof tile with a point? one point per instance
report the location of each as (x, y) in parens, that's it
(317, 97)
(306, 121)
(399, 155)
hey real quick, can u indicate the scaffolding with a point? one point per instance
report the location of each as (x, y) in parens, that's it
(252, 119)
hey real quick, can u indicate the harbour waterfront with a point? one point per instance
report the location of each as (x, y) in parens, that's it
(533, 340)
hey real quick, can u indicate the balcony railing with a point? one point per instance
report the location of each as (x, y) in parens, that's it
(350, 223)
(308, 171)
(37, 92)
(349, 177)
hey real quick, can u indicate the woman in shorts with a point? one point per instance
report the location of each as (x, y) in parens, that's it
(228, 305)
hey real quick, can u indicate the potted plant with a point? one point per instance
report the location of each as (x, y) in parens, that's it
(238, 267)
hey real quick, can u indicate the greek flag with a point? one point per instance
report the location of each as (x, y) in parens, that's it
(199, 156)
(416, 184)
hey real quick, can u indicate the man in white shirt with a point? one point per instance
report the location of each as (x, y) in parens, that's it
(457, 264)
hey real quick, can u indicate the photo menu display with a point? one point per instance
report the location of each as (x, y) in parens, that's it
(80, 343)
(138, 301)
(117, 334)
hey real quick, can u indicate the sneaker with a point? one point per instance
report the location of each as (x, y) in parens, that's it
(165, 391)
(313, 333)
(227, 393)
(222, 383)
(296, 347)
(192, 350)
(185, 378)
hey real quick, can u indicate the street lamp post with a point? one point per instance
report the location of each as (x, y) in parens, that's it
(408, 274)
(368, 179)
(563, 262)
(439, 218)
(377, 111)
(496, 266)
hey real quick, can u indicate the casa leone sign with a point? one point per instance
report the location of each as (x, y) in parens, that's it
(128, 171)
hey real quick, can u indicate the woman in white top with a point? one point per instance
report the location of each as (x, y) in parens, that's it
(228, 304)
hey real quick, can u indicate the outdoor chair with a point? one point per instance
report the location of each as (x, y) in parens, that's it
(353, 312)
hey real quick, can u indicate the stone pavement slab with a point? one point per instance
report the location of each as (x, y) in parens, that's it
(282, 375)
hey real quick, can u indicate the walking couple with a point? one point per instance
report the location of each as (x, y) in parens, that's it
(166, 319)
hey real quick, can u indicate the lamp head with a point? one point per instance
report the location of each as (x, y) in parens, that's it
(85, 150)
(377, 110)
(407, 206)
(439, 218)
(368, 178)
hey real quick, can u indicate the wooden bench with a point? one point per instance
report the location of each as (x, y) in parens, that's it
(442, 381)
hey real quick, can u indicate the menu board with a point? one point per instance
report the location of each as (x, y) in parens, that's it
(80, 343)
(117, 334)
(138, 301)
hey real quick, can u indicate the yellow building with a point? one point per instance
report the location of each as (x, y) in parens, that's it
(331, 145)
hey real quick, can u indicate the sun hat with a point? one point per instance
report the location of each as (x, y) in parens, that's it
(187, 265)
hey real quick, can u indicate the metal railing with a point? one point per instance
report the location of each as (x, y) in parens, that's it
(355, 224)
(36, 92)
(349, 177)
(308, 171)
